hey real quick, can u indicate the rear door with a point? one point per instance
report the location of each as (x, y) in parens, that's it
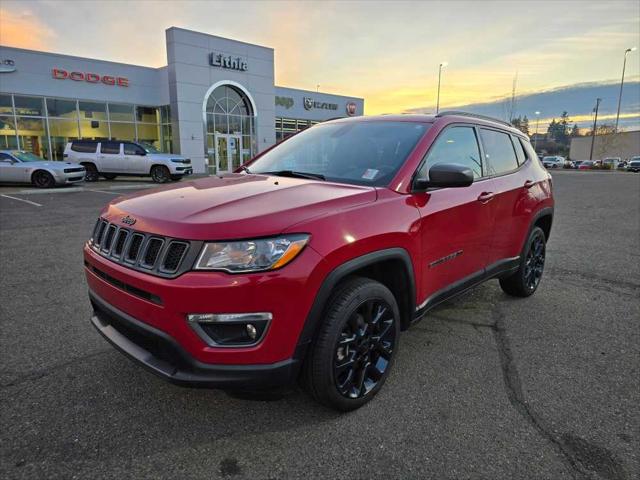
(110, 158)
(505, 160)
(135, 158)
(456, 223)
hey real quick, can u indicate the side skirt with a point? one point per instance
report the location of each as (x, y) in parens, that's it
(498, 269)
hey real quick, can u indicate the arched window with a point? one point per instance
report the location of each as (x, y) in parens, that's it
(230, 128)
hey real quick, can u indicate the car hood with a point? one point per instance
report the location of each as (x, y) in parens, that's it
(235, 206)
(51, 165)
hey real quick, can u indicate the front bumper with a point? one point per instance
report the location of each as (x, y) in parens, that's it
(162, 355)
(69, 178)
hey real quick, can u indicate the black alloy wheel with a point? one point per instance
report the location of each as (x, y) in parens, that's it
(526, 279)
(160, 174)
(354, 350)
(91, 173)
(364, 349)
(42, 179)
(534, 262)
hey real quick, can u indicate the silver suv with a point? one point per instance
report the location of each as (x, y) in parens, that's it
(110, 158)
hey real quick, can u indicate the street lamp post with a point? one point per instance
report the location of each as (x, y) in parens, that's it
(442, 64)
(595, 124)
(624, 65)
(535, 142)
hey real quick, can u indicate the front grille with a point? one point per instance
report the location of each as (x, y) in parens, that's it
(74, 170)
(161, 256)
(151, 253)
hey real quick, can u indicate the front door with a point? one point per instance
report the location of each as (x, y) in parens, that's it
(228, 152)
(456, 223)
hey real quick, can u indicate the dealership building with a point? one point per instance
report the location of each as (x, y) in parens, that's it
(215, 101)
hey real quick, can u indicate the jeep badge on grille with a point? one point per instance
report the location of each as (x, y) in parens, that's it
(128, 220)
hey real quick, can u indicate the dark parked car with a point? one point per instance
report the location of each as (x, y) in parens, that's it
(310, 260)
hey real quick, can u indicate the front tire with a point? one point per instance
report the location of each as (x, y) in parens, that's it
(42, 179)
(524, 281)
(160, 174)
(176, 178)
(91, 173)
(354, 351)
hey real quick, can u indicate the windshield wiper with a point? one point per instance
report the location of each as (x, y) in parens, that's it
(295, 174)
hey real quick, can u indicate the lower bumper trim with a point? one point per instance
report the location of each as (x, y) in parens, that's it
(162, 355)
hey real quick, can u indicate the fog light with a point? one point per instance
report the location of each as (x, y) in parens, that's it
(251, 331)
(230, 329)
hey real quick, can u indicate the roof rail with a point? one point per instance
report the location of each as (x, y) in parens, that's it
(475, 115)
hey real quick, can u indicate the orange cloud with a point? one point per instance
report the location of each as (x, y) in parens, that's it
(23, 30)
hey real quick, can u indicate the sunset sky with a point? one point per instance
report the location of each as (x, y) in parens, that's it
(386, 52)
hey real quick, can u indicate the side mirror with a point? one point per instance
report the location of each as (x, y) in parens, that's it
(445, 175)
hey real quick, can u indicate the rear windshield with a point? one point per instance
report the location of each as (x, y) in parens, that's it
(361, 153)
(84, 147)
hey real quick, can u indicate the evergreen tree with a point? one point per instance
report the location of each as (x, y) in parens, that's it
(575, 131)
(524, 126)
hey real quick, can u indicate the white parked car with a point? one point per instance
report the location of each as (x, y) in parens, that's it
(110, 158)
(17, 166)
(612, 161)
(554, 161)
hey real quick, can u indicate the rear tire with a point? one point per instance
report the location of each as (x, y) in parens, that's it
(354, 351)
(42, 179)
(91, 173)
(109, 176)
(160, 174)
(524, 281)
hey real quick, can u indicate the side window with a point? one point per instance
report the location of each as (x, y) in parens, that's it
(455, 145)
(110, 147)
(500, 155)
(132, 149)
(5, 157)
(84, 147)
(522, 157)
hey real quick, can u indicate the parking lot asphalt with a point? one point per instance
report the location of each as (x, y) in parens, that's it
(485, 386)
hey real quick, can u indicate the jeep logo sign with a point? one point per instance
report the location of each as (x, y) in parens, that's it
(61, 74)
(286, 102)
(227, 61)
(310, 103)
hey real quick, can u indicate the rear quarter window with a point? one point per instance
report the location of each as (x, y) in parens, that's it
(84, 147)
(110, 147)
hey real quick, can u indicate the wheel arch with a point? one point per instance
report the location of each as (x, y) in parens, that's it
(392, 267)
(38, 170)
(155, 164)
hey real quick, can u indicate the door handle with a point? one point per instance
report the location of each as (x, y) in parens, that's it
(529, 184)
(485, 197)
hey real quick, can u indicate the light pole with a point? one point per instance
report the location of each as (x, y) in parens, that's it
(535, 142)
(595, 124)
(317, 88)
(442, 64)
(624, 65)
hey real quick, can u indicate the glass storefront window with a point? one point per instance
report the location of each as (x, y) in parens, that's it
(94, 129)
(150, 133)
(93, 110)
(32, 136)
(165, 114)
(234, 124)
(119, 112)
(29, 106)
(61, 108)
(8, 140)
(147, 114)
(122, 131)
(61, 131)
(167, 142)
(6, 107)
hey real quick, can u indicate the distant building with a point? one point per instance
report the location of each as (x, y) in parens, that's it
(622, 144)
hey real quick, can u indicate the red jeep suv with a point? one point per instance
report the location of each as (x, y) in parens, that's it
(309, 260)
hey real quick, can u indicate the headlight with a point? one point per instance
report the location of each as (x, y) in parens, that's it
(251, 255)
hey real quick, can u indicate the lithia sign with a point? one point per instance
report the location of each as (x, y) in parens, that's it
(227, 61)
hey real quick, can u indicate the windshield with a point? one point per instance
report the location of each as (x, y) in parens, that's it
(26, 157)
(149, 148)
(361, 153)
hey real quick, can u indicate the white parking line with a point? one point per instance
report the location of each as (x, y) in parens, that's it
(22, 200)
(103, 191)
